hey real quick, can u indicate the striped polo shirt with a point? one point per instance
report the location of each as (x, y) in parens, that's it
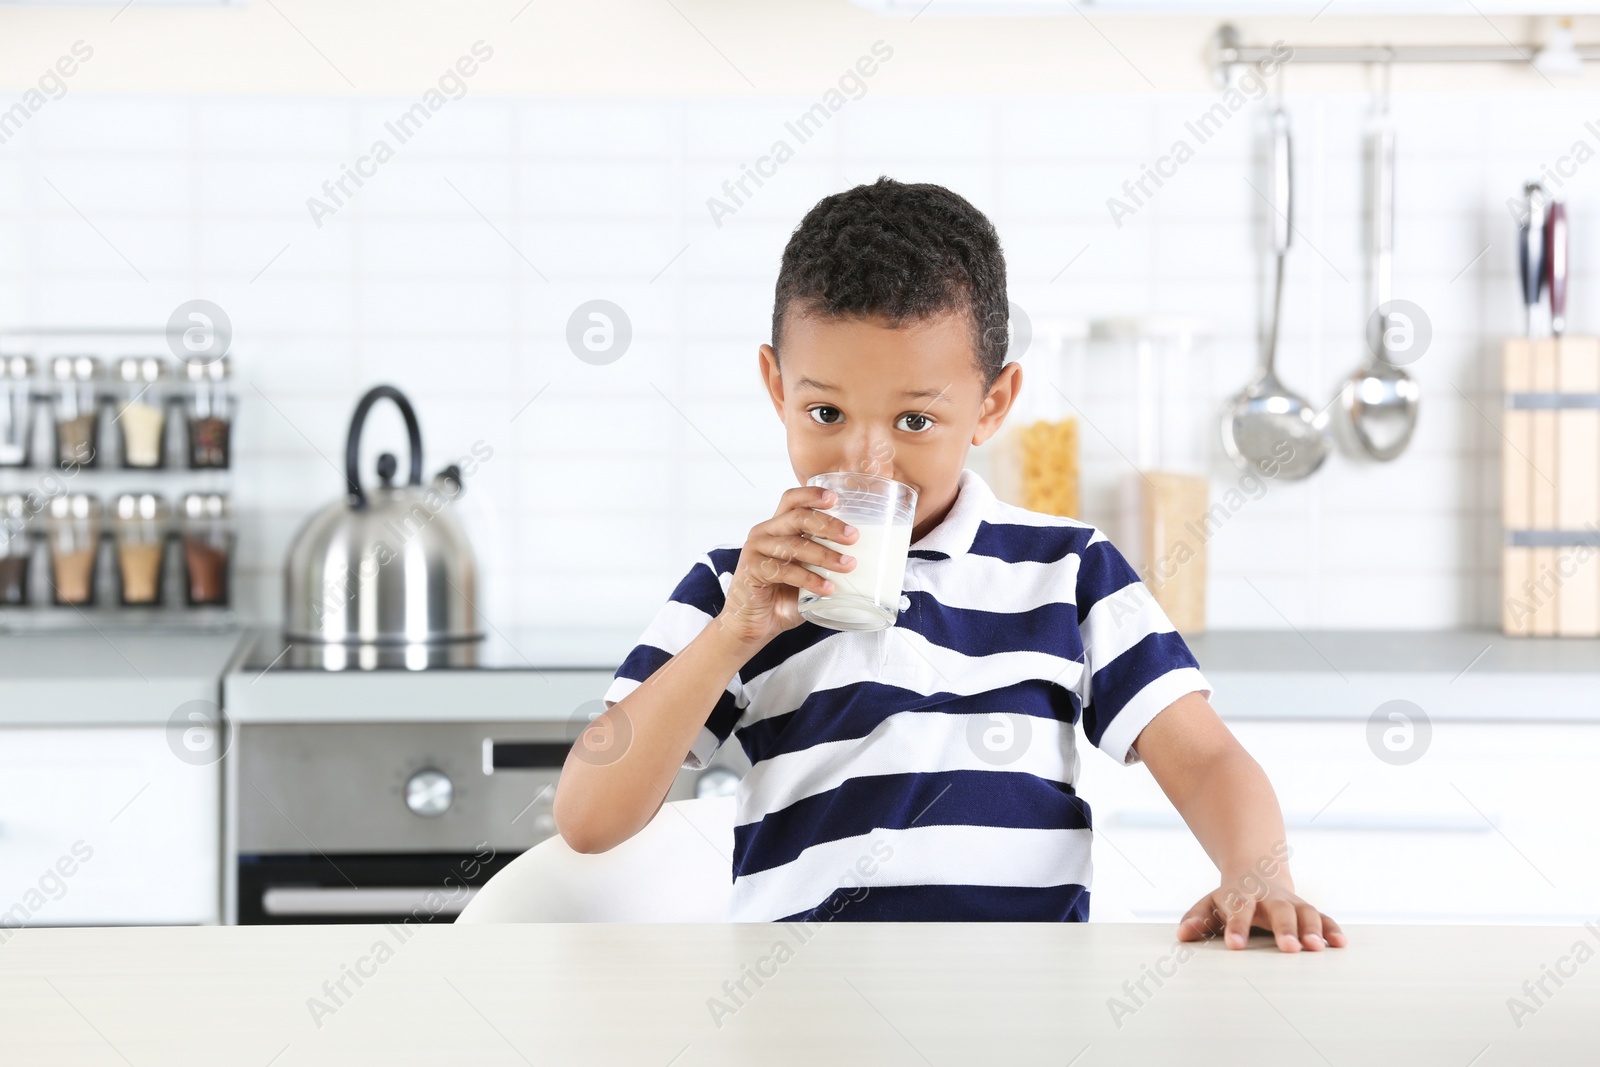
(927, 771)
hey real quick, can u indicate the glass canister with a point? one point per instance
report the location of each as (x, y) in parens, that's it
(16, 549)
(139, 521)
(1166, 521)
(207, 527)
(1033, 460)
(77, 410)
(74, 540)
(209, 411)
(16, 410)
(141, 413)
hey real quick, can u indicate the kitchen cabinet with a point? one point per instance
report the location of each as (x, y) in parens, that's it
(110, 788)
(105, 826)
(1493, 822)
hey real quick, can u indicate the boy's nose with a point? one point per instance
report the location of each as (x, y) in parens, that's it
(875, 458)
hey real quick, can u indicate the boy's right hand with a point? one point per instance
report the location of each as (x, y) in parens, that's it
(764, 598)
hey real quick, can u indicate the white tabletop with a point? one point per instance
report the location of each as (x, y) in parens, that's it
(868, 993)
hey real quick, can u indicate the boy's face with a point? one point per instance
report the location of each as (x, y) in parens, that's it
(856, 395)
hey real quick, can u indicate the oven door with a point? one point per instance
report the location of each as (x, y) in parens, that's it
(362, 888)
(376, 822)
(382, 821)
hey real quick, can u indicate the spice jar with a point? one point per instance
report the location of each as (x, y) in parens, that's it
(16, 549)
(140, 523)
(74, 539)
(207, 547)
(77, 410)
(141, 415)
(210, 413)
(16, 410)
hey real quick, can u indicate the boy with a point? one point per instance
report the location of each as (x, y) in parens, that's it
(875, 791)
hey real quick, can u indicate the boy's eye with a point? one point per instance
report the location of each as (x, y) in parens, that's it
(922, 424)
(815, 414)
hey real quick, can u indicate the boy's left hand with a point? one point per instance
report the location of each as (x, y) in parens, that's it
(1272, 907)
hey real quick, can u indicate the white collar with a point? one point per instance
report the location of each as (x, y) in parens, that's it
(959, 527)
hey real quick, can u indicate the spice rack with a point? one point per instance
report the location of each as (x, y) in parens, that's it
(115, 482)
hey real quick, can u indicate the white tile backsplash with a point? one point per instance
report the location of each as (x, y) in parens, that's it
(453, 269)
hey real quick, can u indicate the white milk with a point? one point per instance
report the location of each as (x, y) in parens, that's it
(880, 570)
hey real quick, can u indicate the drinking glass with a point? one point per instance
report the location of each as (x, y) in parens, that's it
(868, 596)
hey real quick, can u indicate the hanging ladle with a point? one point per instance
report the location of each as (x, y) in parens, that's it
(1381, 400)
(1268, 428)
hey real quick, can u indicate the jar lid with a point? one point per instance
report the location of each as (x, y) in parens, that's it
(133, 507)
(16, 367)
(215, 370)
(205, 506)
(74, 368)
(15, 509)
(141, 369)
(74, 506)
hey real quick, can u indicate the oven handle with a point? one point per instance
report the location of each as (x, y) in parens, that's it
(388, 900)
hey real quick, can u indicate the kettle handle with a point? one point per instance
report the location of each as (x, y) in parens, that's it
(352, 447)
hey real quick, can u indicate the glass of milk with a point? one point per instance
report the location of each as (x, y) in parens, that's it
(867, 597)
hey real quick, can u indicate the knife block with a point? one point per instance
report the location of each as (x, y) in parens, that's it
(1550, 488)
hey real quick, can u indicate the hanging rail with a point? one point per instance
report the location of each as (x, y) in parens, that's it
(1227, 52)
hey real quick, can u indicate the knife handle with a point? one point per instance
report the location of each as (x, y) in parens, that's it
(1531, 250)
(1555, 265)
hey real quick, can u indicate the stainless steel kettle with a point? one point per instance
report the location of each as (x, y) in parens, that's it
(386, 566)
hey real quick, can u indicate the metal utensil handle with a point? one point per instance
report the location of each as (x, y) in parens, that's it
(352, 446)
(1555, 265)
(1380, 205)
(1383, 210)
(1531, 249)
(1282, 166)
(1270, 356)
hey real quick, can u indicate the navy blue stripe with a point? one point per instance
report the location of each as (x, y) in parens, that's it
(899, 801)
(723, 716)
(1116, 683)
(645, 660)
(700, 588)
(642, 662)
(1015, 543)
(787, 644)
(1102, 570)
(1048, 628)
(853, 711)
(725, 560)
(951, 904)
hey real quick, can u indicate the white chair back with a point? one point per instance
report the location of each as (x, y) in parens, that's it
(679, 868)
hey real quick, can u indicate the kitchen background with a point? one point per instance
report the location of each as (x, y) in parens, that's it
(452, 272)
(195, 154)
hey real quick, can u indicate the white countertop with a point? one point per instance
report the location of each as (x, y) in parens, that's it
(854, 993)
(118, 677)
(135, 677)
(1453, 675)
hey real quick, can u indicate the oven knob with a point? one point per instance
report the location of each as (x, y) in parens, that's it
(429, 792)
(717, 782)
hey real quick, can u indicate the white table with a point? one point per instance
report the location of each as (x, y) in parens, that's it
(879, 994)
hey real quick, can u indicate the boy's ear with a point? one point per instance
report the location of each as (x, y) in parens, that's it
(771, 378)
(998, 403)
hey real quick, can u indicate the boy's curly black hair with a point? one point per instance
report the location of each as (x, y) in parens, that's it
(902, 251)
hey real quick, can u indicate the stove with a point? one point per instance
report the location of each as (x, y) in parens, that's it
(388, 784)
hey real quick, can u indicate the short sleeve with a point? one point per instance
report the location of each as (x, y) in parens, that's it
(1135, 662)
(697, 600)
